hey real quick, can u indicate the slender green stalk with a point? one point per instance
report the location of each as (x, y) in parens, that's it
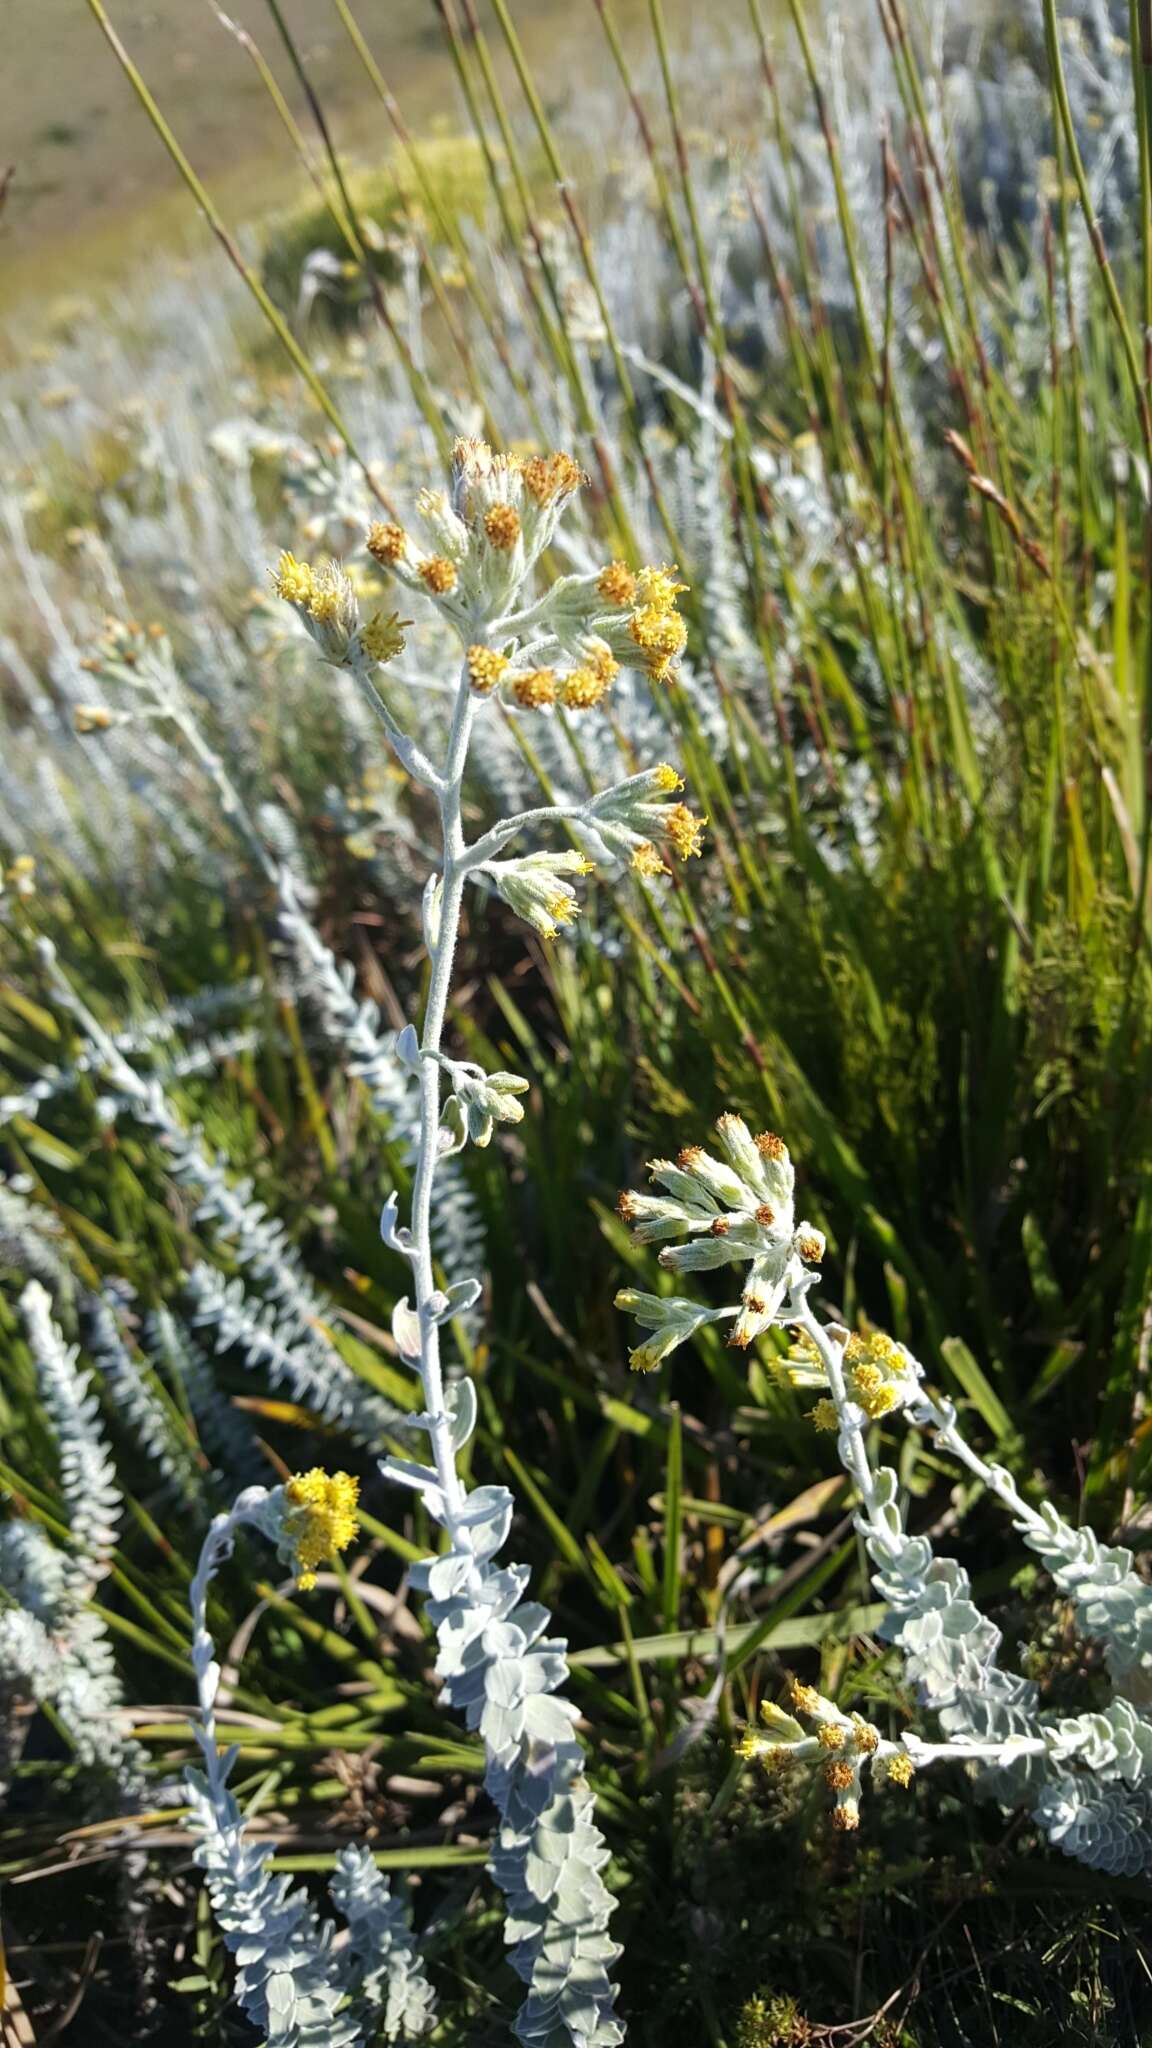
(1059, 88)
(417, 381)
(445, 221)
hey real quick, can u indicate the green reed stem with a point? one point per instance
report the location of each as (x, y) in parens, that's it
(446, 224)
(227, 242)
(1059, 89)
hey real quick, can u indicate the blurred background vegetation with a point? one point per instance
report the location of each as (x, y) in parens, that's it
(846, 314)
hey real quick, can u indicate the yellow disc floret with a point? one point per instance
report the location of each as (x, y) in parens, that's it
(617, 584)
(438, 575)
(535, 689)
(502, 526)
(293, 580)
(486, 668)
(387, 543)
(321, 1519)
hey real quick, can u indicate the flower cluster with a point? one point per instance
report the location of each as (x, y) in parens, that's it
(736, 1210)
(326, 603)
(487, 530)
(479, 1101)
(534, 887)
(646, 604)
(1085, 1778)
(319, 1520)
(634, 821)
(842, 1745)
(880, 1375)
(486, 533)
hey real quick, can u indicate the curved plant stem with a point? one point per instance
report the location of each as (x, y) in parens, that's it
(443, 952)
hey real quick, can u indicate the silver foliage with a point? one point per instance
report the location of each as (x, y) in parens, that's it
(503, 1672)
(87, 1471)
(387, 1967)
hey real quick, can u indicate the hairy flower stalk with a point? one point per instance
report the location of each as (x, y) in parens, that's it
(496, 1662)
(549, 654)
(1086, 1778)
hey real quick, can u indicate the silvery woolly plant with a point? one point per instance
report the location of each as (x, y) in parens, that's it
(539, 648)
(293, 1981)
(1085, 1778)
(54, 1644)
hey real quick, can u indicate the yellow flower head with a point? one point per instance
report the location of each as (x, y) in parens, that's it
(805, 1698)
(661, 636)
(617, 584)
(666, 778)
(777, 1759)
(870, 1386)
(898, 1770)
(438, 575)
(321, 1519)
(548, 477)
(865, 1737)
(535, 689)
(824, 1416)
(562, 910)
(383, 637)
(830, 1735)
(387, 543)
(657, 591)
(838, 1775)
(685, 831)
(486, 668)
(646, 861)
(583, 688)
(472, 457)
(293, 580)
(502, 526)
(324, 603)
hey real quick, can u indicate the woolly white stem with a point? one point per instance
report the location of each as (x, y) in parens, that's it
(959, 1752)
(443, 953)
(216, 1547)
(853, 1449)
